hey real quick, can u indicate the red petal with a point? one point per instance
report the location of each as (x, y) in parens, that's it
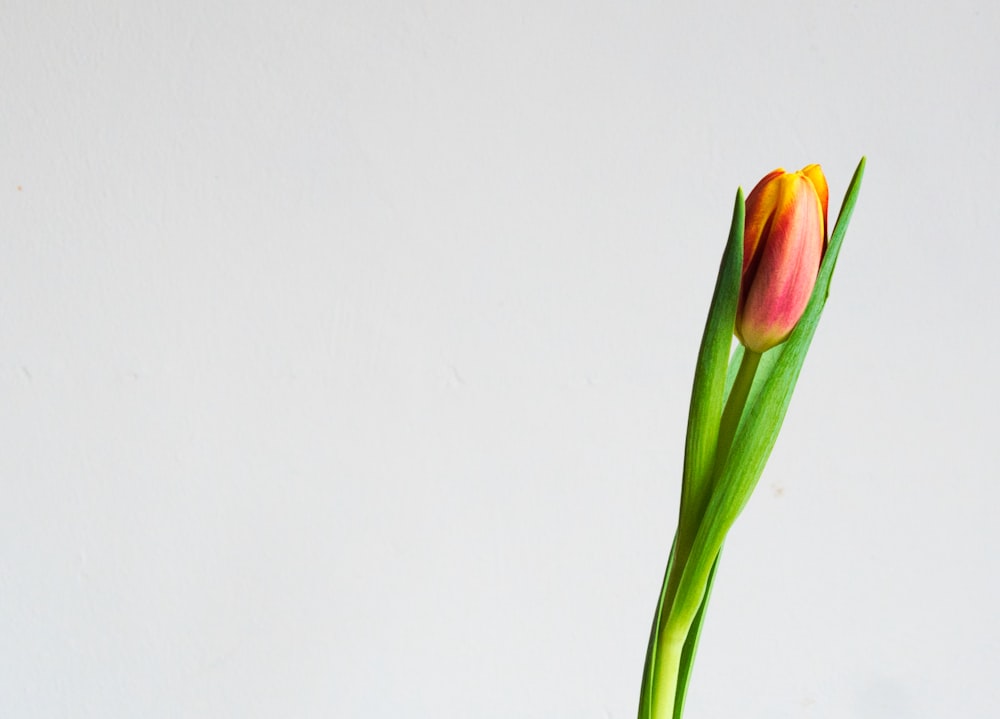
(789, 262)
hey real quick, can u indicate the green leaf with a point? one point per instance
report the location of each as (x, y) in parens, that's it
(709, 380)
(702, 436)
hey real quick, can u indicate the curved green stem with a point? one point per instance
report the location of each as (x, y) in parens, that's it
(678, 611)
(735, 405)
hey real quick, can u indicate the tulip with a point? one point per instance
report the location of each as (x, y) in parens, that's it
(783, 243)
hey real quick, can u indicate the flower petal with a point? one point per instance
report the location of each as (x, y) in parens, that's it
(786, 270)
(818, 179)
(759, 208)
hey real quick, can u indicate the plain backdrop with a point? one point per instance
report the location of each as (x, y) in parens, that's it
(345, 354)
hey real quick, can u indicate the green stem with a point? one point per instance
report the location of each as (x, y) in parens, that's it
(668, 669)
(678, 612)
(737, 401)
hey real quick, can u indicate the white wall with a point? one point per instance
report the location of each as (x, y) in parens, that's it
(345, 352)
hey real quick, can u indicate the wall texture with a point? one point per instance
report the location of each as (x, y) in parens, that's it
(345, 352)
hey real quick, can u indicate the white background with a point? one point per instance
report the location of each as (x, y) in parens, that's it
(345, 351)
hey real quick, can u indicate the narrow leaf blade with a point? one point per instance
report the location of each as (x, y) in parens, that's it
(709, 380)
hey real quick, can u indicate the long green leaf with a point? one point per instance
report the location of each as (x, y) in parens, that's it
(702, 433)
(708, 389)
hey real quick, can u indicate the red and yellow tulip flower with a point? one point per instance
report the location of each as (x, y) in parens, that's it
(773, 283)
(783, 243)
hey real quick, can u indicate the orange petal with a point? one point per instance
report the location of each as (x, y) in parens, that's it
(760, 206)
(818, 179)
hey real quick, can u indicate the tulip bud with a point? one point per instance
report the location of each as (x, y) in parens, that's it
(783, 243)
